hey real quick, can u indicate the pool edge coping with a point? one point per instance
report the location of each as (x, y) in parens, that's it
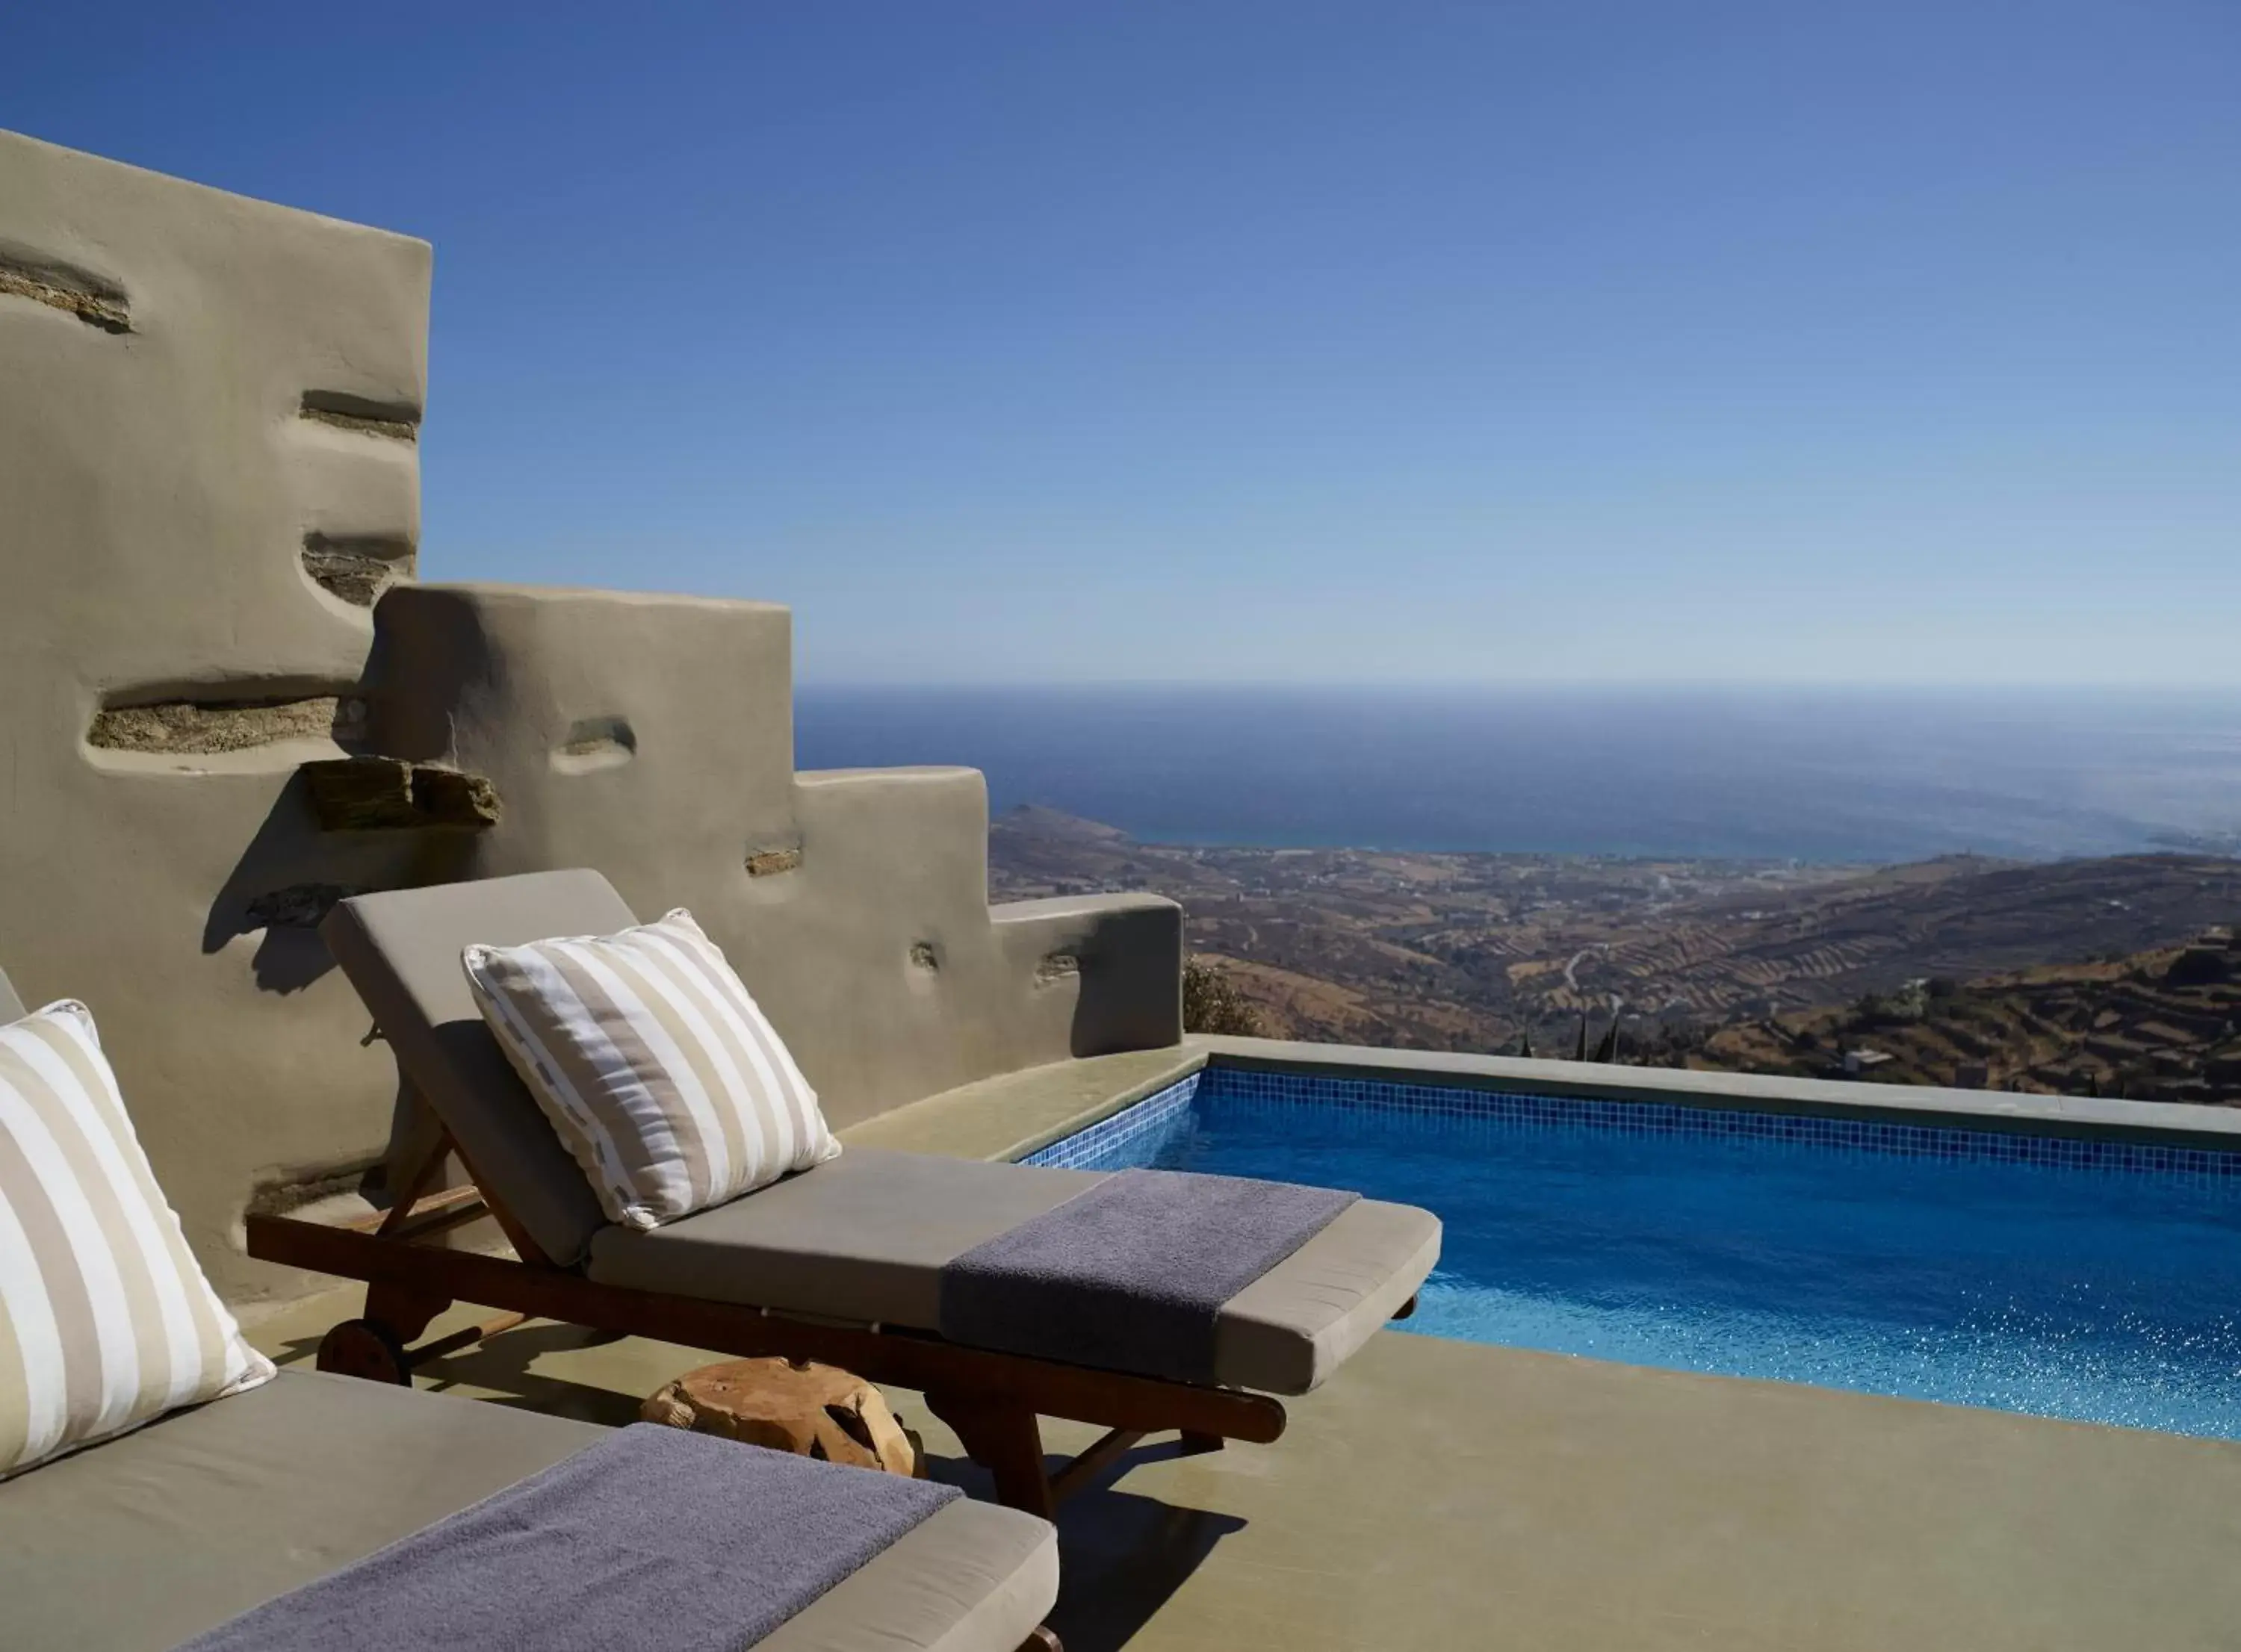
(1189, 1065)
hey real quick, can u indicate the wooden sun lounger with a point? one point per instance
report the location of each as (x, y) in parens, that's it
(401, 951)
(992, 1401)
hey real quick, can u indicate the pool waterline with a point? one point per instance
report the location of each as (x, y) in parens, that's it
(2089, 1278)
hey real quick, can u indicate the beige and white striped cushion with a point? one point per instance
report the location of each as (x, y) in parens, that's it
(106, 1322)
(660, 1072)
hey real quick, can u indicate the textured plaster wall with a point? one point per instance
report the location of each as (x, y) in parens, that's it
(209, 513)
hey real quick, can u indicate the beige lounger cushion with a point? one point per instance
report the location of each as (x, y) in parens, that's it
(660, 1072)
(866, 1238)
(106, 1321)
(148, 1540)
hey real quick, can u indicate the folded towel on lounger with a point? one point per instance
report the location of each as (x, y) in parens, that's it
(652, 1540)
(1131, 1274)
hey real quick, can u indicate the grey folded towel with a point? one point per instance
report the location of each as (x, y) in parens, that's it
(1131, 1274)
(654, 1540)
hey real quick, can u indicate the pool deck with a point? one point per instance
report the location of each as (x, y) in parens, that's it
(1441, 1494)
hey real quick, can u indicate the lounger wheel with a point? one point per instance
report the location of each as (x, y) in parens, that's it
(365, 1348)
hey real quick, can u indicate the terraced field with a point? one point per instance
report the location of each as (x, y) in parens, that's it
(2158, 1025)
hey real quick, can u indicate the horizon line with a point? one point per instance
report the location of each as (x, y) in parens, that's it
(1776, 686)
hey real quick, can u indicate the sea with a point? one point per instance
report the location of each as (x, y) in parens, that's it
(1824, 775)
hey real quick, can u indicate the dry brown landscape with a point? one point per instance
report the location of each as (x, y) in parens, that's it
(2163, 1025)
(2052, 975)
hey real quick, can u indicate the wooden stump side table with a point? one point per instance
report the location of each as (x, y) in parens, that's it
(790, 1405)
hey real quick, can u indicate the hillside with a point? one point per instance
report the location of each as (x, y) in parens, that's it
(2162, 1025)
(1471, 952)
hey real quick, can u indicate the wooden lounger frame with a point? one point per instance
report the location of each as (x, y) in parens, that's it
(993, 1401)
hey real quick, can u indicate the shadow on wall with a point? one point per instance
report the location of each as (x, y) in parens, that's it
(293, 871)
(1129, 976)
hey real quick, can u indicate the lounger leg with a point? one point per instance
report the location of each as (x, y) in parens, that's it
(1041, 1640)
(405, 1312)
(366, 1349)
(374, 1346)
(1006, 1440)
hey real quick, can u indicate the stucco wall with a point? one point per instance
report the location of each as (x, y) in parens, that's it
(209, 513)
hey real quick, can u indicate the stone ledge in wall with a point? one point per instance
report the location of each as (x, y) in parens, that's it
(95, 301)
(356, 570)
(356, 413)
(207, 727)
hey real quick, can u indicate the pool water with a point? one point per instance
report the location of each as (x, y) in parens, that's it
(2090, 1281)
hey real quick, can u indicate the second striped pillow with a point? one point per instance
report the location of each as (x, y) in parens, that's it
(106, 1321)
(660, 1072)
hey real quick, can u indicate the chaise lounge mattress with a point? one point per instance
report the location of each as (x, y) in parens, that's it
(148, 1540)
(866, 1236)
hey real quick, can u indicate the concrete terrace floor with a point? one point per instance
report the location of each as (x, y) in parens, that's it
(1442, 1494)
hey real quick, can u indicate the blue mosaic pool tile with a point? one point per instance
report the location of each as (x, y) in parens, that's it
(1137, 1134)
(1132, 1136)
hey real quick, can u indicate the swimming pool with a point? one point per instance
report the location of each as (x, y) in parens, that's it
(2093, 1279)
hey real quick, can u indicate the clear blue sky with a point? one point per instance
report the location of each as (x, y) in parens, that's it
(1883, 341)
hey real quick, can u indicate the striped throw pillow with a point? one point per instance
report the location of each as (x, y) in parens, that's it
(106, 1322)
(664, 1079)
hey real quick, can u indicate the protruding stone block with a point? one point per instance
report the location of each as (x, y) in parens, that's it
(389, 794)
